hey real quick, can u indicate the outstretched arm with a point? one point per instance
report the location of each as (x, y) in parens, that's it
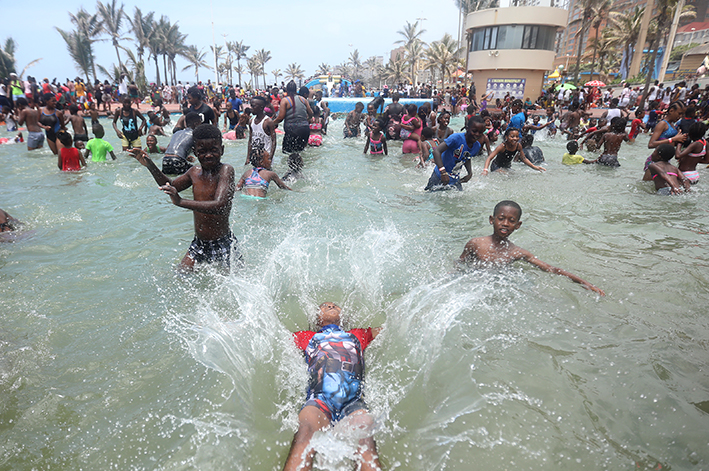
(142, 157)
(558, 271)
(222, 197)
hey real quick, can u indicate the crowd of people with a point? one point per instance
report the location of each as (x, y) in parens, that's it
(675, 119)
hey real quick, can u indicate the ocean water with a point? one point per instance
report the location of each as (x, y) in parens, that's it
(111, 360)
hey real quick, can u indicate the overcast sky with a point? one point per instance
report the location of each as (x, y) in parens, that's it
(306, 32)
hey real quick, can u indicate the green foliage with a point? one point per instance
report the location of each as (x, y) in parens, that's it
(678, 52)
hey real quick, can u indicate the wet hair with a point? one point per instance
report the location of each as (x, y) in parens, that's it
(507, 204)
(618, 124)
(509, 131)
(304, 92)
(395, 96)
(192, 119)
(572, 147)
(527, 140)
(291, 88)
(295, 162)
(195, 92)
(98, 131)
(151, 136)
(65, 138)
(666, 152)
(206, 131)
(445, 112)
(697, 130)
(412, 108)
(427, 133)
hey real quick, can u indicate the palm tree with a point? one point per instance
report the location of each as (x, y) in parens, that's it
(218, 53)
(196, 59)
(374, 67)
(587, 7)
(112, 20)
(442, 54)
(262, 57)
(254, 67)
(135, 69)
(599, 14)
(356, 63)
(156, 42)
(413, 45)
(174, 46)
(624, 30)
(323, 69)
(79, 47)
(89, 26)
(7, 58)
(276, 73)
(239, 53)
(395, 71)
(142, 29)
(294, 72)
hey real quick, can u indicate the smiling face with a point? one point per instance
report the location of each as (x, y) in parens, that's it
(505, 221)
(513, 137)
(209, 152)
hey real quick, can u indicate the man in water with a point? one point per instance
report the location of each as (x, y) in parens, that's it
(336, 367)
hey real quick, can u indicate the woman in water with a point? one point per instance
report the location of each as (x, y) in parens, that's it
(442, 131)
(51, 120)
(295, 112)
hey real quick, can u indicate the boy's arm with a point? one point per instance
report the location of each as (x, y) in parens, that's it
(469, 169)
(279, 182)
(527, 256)
(366, 146)
(113, 156)
(222, 197)
(470, 251)
(144, 126)
(384, 145)
(59, 159)
(142, 157)
(115, 119)
(81, 158)
(271, 131)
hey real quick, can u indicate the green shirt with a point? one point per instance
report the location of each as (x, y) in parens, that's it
(567, 159)
(98, 148)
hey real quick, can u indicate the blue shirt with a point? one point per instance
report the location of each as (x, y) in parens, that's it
(236, 104)
(456, 155)
(517, 121)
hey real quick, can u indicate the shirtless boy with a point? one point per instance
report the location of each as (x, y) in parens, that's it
(351, 128)
(213, 188)
(81, 133)
(611, 143)
(30, 117)
(496, 249)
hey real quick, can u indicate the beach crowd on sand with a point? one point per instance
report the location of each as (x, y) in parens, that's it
(502, 127)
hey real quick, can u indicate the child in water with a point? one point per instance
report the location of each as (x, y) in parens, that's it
(151, 145)
(667, 177)
(611, 143)
(98, 147)
(69, 159)
(428, 144)
(213, 188)
(376, 142)
(496, 249)
(315, 138)
(352, 121)
(502, 156)
(695, 153)
(255, 182)
(571, 158)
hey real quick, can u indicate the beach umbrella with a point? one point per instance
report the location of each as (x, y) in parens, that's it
(566, 86)
(594, 83)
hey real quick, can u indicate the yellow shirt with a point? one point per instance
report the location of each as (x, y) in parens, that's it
(80, 89)
(569, 159)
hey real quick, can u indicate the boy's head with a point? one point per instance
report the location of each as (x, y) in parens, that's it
(639, 113)
(21, 103)
(427, 133)
(535, 119)
(665, 152)
(411, 108)
(516, 106)
(98, 131)
(475, 127)
(359, 106)
(505, 218)
(73, 109)
(194, 96)
(618, 124)
(192, 120)
(527, 140)
(329, 313)
(65, 138)
(208, 146)
(572, 147)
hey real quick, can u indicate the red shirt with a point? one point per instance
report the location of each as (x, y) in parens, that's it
(302, 338)
(635, 128)
(70, 159)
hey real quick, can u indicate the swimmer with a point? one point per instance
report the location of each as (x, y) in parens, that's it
(151, 145)
(81, 133)
(501, 158)
(455, 153)
(98, 147)
(7, 222)
(695, 153)
(315, 138)
(30, 117)
(52, 121)
(213, 188)
(611, 143)
(496, 249)
(571, 158)
(336, 368)
(255, 182)
(262, 130)
(376, 141)
(69, 159)
(428, 143)
(354, 117)
(667, 177)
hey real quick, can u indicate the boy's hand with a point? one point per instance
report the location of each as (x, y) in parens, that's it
(171, 191)
(139, 154)
(119, 134)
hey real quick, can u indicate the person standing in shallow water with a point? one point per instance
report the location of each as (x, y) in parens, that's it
(295, 111)
(335, 361)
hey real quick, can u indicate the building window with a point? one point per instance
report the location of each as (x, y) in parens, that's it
(529, 37)
(514, 37)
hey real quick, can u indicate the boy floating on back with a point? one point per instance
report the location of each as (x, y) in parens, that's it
(497, 249)
(213, 187)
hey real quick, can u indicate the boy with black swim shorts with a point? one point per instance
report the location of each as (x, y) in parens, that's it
(213, 187)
